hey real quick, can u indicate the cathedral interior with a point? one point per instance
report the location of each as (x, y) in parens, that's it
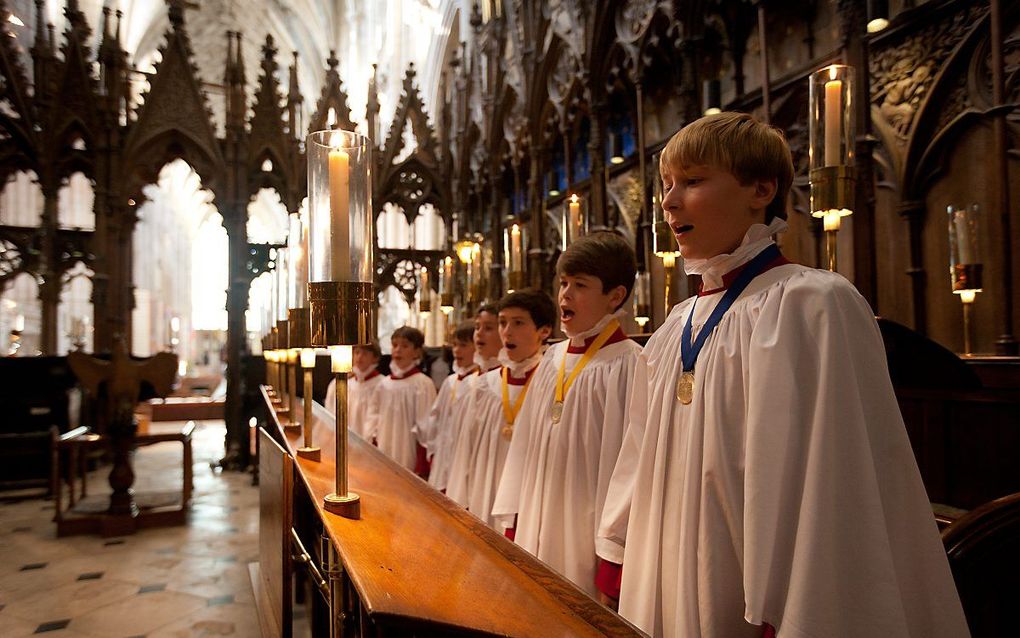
(155, 166)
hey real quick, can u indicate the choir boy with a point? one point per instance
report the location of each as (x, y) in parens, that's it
(434, 431)
(766, 486)
(526, 319)
(568, 434)
(361, 391)
(403, 399)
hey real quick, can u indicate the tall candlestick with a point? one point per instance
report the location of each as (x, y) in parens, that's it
(339, 205)
(833, 116)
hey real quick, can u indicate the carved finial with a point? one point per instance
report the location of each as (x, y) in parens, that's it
(293, 92)
(240, 59)
(331, 61)
(476, 14)
(230, 73)
(268, 57)
(119, 14)
(40, 24)
(175, 10)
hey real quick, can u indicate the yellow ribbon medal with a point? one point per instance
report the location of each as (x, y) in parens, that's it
(510, 412)
(561, 386)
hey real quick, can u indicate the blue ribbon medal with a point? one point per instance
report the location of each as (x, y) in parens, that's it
(689, 350)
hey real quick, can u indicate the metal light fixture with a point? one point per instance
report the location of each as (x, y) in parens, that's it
(643, 299)
(664, 244)
(712, 97)
(965, 261)
(878, 15)
(553, 180)
(616, 148)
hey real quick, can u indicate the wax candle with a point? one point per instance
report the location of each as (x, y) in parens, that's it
(515, 248)
(576, 222)
(339, 206)
(830, 220)
(833, 116)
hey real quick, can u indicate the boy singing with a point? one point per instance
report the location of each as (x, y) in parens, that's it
(403, 399)
(568, 434)
(766, 485)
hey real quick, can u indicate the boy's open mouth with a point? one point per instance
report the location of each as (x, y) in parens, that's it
(509, 346)
(566, 314)
(680, 229)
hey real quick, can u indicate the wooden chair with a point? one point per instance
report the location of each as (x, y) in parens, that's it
(984, 553)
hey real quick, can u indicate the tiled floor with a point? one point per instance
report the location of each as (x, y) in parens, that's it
(171, 582)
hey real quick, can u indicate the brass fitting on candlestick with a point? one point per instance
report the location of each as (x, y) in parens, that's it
(341, 312)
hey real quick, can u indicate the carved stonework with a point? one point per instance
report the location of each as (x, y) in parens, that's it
(633, 19)
(904, 72)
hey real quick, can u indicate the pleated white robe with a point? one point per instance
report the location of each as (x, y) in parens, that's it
(787, 492)
(360, 397)
(435, 430)
(469, 434)
(399, 404)
(556, 476)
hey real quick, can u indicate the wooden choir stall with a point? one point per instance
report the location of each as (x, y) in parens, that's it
(414, 564)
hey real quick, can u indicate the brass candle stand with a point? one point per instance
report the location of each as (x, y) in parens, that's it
(965, 262)
(664, 246)
(342, 312)
(831, 140)
(300, 337)
(285, 410)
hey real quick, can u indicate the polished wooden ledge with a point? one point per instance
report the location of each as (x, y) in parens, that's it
(417, 558)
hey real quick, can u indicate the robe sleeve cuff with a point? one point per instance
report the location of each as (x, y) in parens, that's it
(609, 550)
(608, 578)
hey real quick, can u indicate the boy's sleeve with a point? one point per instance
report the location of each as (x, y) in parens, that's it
(612, 532)
(837, 528)
(428, 427)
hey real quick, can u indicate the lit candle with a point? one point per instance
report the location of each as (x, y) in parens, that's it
(830, 220)
(515, 248)
(833, 116)
(444, 285)
(339, 206)
(575, 218)
(424, 284)
(19, 323)
(341, 358)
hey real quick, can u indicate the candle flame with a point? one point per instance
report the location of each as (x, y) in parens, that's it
(833, 71)
(573, 198)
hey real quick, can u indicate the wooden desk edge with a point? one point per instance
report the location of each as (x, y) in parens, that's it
(572, 598)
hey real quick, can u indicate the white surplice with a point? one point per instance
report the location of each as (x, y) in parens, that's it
(483, 442)
(398, 405)
(786, 493)
(433, 431)
(361, 389)
(556, 475)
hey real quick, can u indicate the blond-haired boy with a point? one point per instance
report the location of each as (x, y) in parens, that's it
(766, 484)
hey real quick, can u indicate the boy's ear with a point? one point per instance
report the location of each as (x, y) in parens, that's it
(545, 332)
(617, 296)
(764, 192)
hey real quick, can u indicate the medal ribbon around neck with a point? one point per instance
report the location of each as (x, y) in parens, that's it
(689, 350)
(510, 412)
(563, 387)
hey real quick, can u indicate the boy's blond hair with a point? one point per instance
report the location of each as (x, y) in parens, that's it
(738, 143)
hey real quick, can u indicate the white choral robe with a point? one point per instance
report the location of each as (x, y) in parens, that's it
(400, 403)
(482, 446)
(786, 493)
(361, 389)
(433, 431)
(556, 475)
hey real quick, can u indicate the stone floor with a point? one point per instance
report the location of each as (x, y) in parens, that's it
(169, 582)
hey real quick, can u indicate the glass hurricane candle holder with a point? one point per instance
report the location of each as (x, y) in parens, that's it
(515, 242)
(965, 261)
(574, 223)
(446, 286)
(341, 295)
(831, 138)
(643, 299)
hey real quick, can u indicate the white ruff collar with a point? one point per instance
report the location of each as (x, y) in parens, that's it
(361, 374)
(486, 364)
(462, 370)
(757, 238)
(519, 368)
(397, 371)
(577, 340)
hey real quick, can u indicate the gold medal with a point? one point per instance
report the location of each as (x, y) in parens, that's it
(685, 388)
(508, 432)
(557, 411)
